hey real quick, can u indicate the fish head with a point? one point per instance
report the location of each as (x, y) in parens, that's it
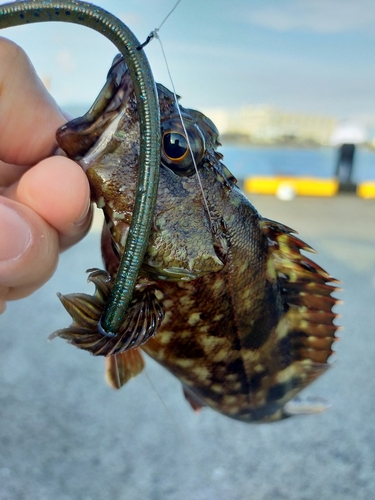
(187, 238)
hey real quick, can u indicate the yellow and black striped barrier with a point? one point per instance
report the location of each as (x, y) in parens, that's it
(366, 189)
(287, 188)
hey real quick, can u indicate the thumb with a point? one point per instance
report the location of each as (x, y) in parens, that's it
(28, 250)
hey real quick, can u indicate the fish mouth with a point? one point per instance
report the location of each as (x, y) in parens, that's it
(83, 138)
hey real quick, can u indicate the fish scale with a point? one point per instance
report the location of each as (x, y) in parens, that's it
(227, 302)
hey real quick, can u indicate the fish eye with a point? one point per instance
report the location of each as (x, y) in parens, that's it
(175, 151)
(175, 145)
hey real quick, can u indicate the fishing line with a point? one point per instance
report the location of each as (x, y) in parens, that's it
(151, 36)
(187, 442)
(166, 17)
(185, 131)
(117, 371)
(154, 33)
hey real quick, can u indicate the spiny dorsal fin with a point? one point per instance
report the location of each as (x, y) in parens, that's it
(306, 293)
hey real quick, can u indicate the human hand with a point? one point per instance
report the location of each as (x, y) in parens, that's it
(44, 200)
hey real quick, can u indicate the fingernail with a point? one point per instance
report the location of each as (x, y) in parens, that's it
(83, 218)
(15, 234)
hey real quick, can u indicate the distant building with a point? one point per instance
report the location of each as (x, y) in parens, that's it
(269, 125)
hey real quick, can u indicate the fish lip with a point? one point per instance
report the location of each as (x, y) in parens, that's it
(83, 138)
(119, 84)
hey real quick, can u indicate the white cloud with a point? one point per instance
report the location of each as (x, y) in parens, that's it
(322, 16)
(130, 18)
(66, 61)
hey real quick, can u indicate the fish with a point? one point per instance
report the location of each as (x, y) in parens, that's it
(226, 300)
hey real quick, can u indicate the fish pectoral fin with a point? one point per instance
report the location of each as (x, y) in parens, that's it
(193, 400)
(120, 368)
(142, 320)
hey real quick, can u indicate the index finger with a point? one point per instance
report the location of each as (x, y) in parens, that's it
(29, 116)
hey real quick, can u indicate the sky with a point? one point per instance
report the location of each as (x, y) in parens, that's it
(305, 56)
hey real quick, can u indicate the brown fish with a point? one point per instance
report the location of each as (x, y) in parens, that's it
(225, 299)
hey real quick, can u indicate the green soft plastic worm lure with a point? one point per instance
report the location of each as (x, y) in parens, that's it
(18, 13)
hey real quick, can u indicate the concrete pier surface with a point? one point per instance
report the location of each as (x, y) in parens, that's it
(65, 435)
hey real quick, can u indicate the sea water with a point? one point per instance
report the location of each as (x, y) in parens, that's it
(247, 161)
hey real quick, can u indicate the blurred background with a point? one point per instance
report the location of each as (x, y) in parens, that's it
(281, 79)
(272, 75)
(287, 83)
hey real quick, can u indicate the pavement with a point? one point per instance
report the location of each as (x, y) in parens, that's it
(65, 435)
